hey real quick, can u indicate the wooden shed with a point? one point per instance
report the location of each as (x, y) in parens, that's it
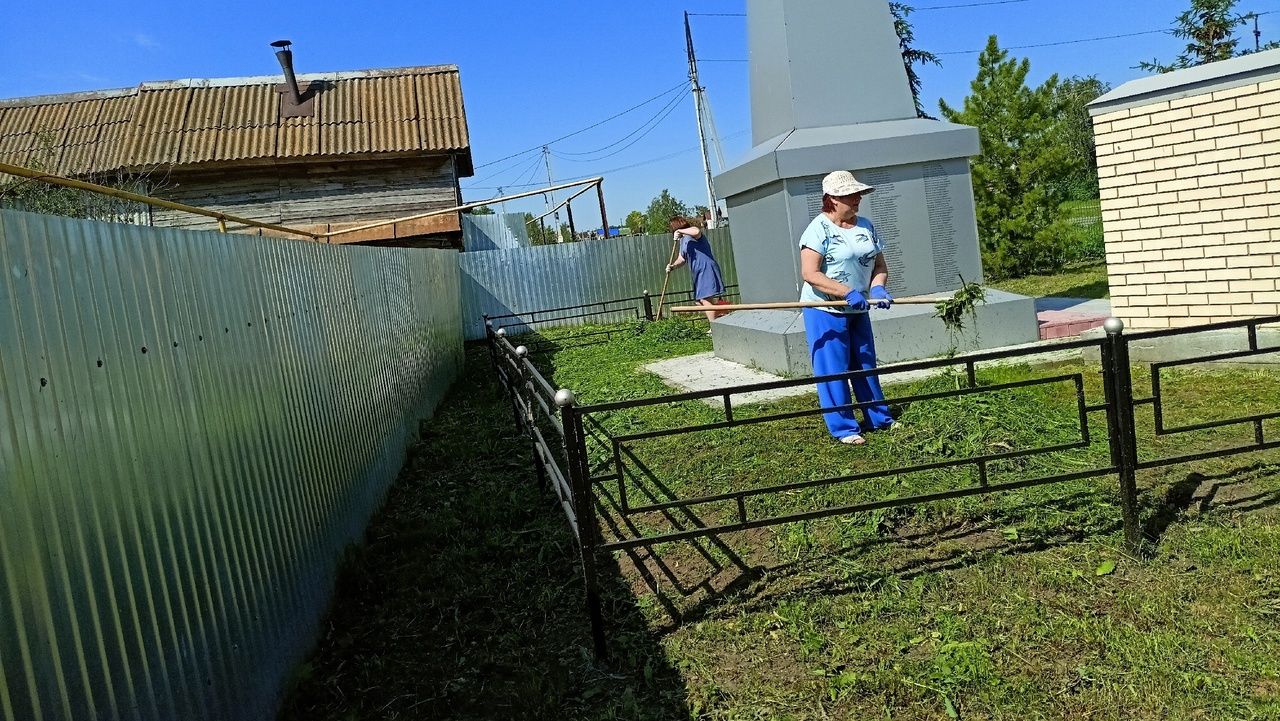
(360, 147)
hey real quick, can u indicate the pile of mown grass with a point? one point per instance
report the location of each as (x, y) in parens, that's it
(466, 602)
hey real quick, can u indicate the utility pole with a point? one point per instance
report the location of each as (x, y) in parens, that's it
(546, 158)
(1257, 34)
(702, 137)
(502, 207)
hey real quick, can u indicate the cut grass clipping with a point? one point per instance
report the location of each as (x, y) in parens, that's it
(964, 303)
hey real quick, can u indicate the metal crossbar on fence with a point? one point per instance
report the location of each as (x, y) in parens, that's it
(596, 495)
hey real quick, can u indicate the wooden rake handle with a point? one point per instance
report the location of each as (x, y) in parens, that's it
(796, 304)
(675, 245)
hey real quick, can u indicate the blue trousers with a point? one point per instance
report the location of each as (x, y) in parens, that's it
(839, 343)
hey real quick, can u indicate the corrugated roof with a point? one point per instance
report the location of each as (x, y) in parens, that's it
(189, 122)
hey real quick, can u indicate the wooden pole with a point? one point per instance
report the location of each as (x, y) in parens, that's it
(222, 218)
(797, 304)
(604, 219)
(464, 206)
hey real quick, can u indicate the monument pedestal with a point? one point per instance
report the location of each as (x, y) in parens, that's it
(774, 340)
(829, 92)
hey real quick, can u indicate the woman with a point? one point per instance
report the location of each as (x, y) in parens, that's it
(695, 249)
(842, 257)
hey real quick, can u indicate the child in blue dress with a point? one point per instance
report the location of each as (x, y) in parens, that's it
(695, 250)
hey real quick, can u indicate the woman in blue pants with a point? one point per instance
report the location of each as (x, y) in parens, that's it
(841, 257)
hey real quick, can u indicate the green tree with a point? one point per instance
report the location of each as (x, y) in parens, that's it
(1209, 28)
(543, 233)
(635, 222)
(911, 56)
(660, 210)
(1076, 132)
(540, 233)
(1017, 181)
(482, 210)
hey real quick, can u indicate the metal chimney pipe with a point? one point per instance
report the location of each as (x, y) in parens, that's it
(285, 56)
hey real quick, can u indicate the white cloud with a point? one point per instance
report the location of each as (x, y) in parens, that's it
(144, 40)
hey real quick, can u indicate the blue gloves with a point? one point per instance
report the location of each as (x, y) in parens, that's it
(856, 300)
(878, 293)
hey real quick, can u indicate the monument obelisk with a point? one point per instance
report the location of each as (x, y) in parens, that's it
(829, 92)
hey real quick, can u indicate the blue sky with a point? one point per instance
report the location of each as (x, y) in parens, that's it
(534, 72)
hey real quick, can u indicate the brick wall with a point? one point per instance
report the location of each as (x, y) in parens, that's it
(1190, 190)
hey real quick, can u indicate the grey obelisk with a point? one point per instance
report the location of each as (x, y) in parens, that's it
(829, 92)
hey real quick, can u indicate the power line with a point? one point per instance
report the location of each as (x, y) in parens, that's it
(522, 172)
(1061, 42)
(589, 127)
(1010, 47)
(1006, 47)
(619, 169)
(501, 171)
(656, 121)
(967, 5)
(679, 93)
(914, 9)
(661, 111)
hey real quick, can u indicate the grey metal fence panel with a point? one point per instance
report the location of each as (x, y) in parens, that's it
(193, 426)
(494, 232)
(550, 276)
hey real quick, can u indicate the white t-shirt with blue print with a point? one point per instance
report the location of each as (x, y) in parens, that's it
(848, 256)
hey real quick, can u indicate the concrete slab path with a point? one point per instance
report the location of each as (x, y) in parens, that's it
(706, 371)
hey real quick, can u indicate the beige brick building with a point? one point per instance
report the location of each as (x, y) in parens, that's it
(1189, 170)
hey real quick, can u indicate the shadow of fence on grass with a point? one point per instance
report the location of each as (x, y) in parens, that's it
(693, 591)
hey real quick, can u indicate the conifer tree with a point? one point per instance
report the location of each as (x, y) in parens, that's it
(1017, 180)
(911, 56)
(1209, 27)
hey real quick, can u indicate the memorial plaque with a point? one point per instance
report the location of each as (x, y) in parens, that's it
(942, 230)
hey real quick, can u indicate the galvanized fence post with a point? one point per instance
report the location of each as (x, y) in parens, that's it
(584, 511)
(530, 415)
(1120, 427)
(520, 390)
(491, 342)
(508, 385)
(648, 306)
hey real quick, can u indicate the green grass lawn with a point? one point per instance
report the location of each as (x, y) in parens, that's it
(466, 600)
(1082, 281)
(1076, 280)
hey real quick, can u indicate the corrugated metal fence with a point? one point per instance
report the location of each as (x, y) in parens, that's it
(192, 428)
(498, 282)
(494, 232)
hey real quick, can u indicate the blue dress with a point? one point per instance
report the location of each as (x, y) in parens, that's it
(707, 282)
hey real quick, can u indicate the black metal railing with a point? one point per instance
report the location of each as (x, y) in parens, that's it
(641, 307)
(564, 434)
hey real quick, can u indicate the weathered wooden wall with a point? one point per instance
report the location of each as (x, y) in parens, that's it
(312, 194)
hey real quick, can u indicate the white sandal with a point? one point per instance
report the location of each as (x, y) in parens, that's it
(854, 439)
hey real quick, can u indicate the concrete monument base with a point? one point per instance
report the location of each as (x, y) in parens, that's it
(774, 340)
(1176, 347)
